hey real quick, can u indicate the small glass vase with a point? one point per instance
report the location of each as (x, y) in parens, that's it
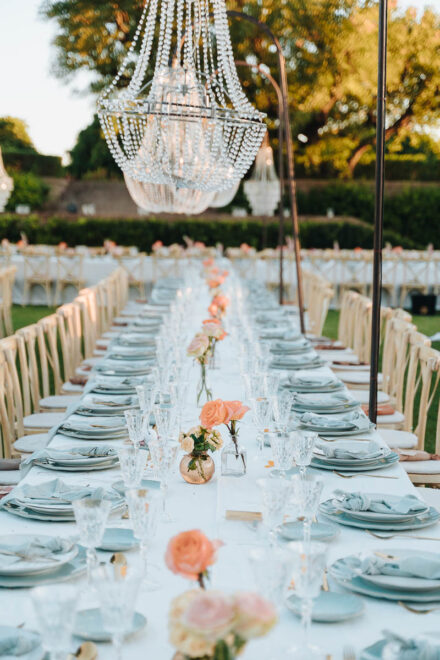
(197, 468)
(213, 360)
(234, 459)
(204, 394)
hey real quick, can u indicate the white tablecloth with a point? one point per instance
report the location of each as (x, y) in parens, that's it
(202, 507)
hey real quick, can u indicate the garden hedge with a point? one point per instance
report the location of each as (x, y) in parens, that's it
(40, 164)
(143, 232)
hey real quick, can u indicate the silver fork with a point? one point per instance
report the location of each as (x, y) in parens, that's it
(362, 474)
(386, 535)
(349, 653)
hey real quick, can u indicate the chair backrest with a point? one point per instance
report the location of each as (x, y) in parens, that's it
(36, 266)
(70, 336)
(134, 266)
(17, 380)
(70, 268)
(7, 410)
(47, 329)
(347, 318)
(36, 356)
(422, 385)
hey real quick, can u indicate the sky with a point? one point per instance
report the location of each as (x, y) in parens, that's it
(55, 111)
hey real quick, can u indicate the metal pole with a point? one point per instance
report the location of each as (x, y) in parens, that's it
(289, 149)
(378, 211)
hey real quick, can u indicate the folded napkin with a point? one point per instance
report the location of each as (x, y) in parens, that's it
(354, 450)
(416, 455)
(413, 649)
(310, 381)
(305, 358)
(15, 642)
(99, 423)
(55, 492)
(382, 409)
(347, 363)
(349, 422)
(322, 400)
(10, 464)
(67, 454)
(36, 548)
(362, 502)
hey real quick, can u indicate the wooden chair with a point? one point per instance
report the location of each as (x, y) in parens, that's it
(37, 272)
(7, 277)
(70, 272)
(416, 274)
(135, 268)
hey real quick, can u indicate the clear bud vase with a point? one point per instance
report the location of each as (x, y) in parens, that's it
(233, 459)
(204, 394)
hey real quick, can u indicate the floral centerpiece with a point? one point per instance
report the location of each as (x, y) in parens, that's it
(211, 625)
(214, 330)
(218, 306)
(200, 350)
(229, 413)
(197, 467)
(190, 554)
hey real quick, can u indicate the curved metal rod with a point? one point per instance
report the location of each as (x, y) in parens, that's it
(289, 148)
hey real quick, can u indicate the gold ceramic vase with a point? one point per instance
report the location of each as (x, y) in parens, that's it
(197, 468)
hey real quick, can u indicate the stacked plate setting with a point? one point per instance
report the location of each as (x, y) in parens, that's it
(92, 405)
(27, 560)
(337, 424)
(305, 360)
(328, 404)
(304, 382)
(76, 459)
(396, 574)
(381, 512)
(352, 456)
(98, 428)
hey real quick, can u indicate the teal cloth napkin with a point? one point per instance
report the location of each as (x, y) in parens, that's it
(290, 360)
(66, 455)
(15, 642)
(54, 492)
(362, 502)
(349, 422)
(35, 548)
(351, 450)
(323, 400)
(310, 381)
(413, 649)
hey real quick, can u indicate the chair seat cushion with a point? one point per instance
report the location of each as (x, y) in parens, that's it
(90, 362)
(357, 377)
(422, 467)
(43, 420)
(27, 444)
(363, 396)
(396, 418)
(70, 388)
(59, 401)
(401, 439)
(9, 477)
(430, 495)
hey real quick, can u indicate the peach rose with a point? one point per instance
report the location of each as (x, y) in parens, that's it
(208, 262)
(256, 615)
(213, 309)
(215, 283)
(211, 614)
(213, 413)
(190, 553)
(235, 410)
(221, 301)
(213, 329)
(198, 346)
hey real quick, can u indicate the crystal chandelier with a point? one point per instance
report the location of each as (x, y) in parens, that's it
(224, 197)
(6, 185)
(163, 198)
(263, 187)
(190, 125)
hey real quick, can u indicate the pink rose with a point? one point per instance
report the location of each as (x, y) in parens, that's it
(256, 615)
(213, 329)
(198, 346)
(211, 614)
(213, 413)
(235, 410)
(190, 553)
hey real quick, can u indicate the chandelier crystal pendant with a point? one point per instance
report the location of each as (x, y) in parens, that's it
(6, 185)
(263, 187)
(164, 198)
(224, 197)
(190, 125)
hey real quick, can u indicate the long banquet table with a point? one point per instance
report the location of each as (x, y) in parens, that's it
(203, 507)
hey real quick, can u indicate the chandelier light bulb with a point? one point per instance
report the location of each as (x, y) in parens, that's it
(263, 187)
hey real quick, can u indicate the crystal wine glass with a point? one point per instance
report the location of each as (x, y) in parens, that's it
(132, 462)
(138, 424)
(305, 497)
(144, 507)
(308, 564)
(283, 449)
(163, 456)
(304, 444)
(275, 494)
(272, 568)
(55, 609)
(165, 416)
(147, 393)
(91, 518)
(117, 591)
(261, 411)
(282, 407)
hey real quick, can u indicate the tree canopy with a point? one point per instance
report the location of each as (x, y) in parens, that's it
(14, 135)
(91, 154)
(331, 52)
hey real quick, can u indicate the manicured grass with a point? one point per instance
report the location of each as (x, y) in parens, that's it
(428, 325)
(22, 316)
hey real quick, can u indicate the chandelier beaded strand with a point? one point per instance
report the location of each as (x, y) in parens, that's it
(190, 125)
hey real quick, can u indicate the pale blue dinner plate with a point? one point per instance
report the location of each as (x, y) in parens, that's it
(330, 606)
(118, 539)
(119, 486)
(65, 572)
(381, 463)
(320, 531)
(37, 653)
(88, 625)
(424, 520)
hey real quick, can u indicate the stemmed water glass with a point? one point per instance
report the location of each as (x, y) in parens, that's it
(163, 453)
(308, 565)
(261, 411)
(165, 416)
(144, 508)
(282, 407)
(55, 609)
(304, 442)
(147, 393)
(138, 424)
(272, 568)
(283, 449)
(305, 497)
(91, 518)
(275, 495)
(117, 591)
(132, 462)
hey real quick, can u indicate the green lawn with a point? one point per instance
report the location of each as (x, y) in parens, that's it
(428, 325)
(22, 316)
